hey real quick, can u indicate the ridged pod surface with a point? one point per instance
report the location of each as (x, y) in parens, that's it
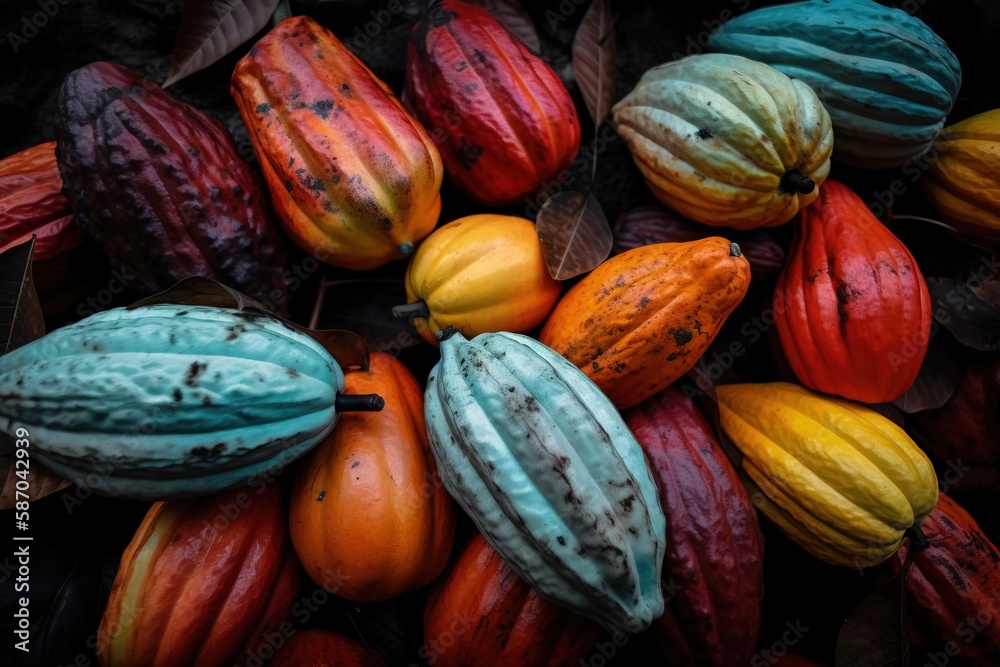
(502, 118)
(479, 274)
(370, 518)
(851, 306)
(545, 466)
(354, 178)
(320, 648)
(714, 560)
(840, 480)
(501, 619)
(160, 186)
(167, 401)
(954, 584)
(961, 181)
(198, 588)
(727, 141)
(643, 318)
(886, 79)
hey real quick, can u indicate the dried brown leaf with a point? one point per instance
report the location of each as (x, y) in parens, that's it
(210, 30)
(574, 233)
(594, 59)
(21, 319)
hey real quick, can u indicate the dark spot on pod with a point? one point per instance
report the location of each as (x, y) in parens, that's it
(238, 190)
(347, 91)
(322, 108)
(176, 537)
(181, 313)
(192, 151)
(292, 373)
(703, 134)
(263, 107)
(461, 66)
(209, 454)
(293, 96)
(682, 336)
(207, 400)
(561, 540)
(193, 371)
(356, 464)
(177, 395)
(320, 496)
(468, 154)
(480, 56)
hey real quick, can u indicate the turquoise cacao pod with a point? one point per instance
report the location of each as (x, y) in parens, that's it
(549, 472)
(168, 401)
(886, 79)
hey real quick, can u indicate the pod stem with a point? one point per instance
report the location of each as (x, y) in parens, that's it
(445, 334)
(411, 310)
(734, 250)
(359, 403)
(793, 181)
(917, 538)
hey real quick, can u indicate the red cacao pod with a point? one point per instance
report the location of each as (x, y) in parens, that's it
(482, 614)
(646, 225)
(501, 117)
(851, 306)
(320, 648)
(197, 586)
(954, 585)
(714, 562)
(31, 202)
(160, 187)
(354, 178)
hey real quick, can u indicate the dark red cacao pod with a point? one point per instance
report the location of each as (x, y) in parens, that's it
(851, 306)
(320, 648)
(713, 568)
(646, 225)
(502, 119)
(161, 188)
(31, 202)
(954, 585)
(482, 614)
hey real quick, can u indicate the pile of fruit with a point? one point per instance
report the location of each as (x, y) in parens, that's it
(572, 474)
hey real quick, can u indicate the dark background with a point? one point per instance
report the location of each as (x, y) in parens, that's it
(76, 552)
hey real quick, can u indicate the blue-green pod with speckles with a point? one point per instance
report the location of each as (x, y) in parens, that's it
(168, 401)
(887, 80)
(549, 472)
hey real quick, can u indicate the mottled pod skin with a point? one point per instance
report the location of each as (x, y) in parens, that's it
(954, 584)
(354, 178)
(503, 620)
(161, 188)
(320, 648)
(168, 401)
(544, 465)
(727, 141)
(502, 118)
(851, 306)
(839, 479)
(398, 532)
(714, 559)
(196, 587)
(643, 318)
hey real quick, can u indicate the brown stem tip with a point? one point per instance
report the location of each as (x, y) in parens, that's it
(793, 181)
(411, 310)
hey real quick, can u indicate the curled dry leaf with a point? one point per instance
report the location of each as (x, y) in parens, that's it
(972, 321)
(210, 30)
(511, 15)
(574, 233)
(594, 59)
(41, 481)
(349, 349)
(21, 319)
(939, 375)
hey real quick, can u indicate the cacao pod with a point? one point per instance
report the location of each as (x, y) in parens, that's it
(319, 648)
(160, 187)
(354, 178)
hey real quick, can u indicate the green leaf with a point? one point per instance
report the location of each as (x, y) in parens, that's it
(21, 319)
